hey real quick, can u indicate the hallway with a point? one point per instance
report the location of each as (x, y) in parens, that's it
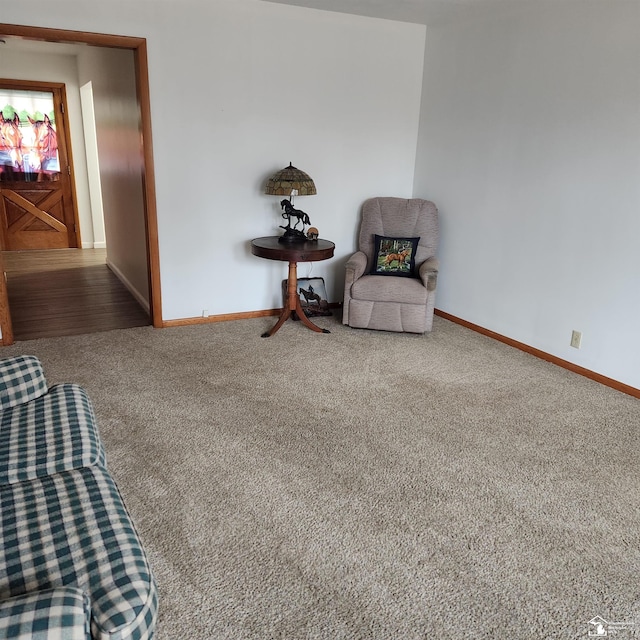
(64, 292)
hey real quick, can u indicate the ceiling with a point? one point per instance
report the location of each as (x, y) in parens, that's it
(418, 11)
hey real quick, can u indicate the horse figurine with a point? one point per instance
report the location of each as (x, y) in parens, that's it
(289, 211)
(45, 145)
(10, 143)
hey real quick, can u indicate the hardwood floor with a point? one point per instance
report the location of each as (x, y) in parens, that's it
(65, 292)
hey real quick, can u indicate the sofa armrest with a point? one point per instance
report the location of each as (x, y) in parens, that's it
(428, 273)
(62, 612)
(21, 379)
(54, 433)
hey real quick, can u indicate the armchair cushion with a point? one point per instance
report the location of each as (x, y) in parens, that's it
(404, 291)
(394, 256)
(21, 379)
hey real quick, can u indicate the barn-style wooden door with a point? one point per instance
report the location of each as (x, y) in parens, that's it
(37, 204)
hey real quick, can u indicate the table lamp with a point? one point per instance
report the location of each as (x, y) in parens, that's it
(291, 182)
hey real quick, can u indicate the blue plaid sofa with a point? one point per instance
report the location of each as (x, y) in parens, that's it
(71, 563)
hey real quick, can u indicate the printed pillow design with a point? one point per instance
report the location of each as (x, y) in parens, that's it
(394, 256)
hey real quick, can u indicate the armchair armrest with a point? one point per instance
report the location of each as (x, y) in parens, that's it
(355, 267)
(21, 379)
(62, 612)
(428, 273)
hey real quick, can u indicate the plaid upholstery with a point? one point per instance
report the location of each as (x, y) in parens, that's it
(55, 432)
(53, 614)
(72, 529)
(21, 379)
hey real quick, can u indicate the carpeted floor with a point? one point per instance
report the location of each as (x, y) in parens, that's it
(365, 485)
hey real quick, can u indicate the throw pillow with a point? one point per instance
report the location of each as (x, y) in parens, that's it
(394, 256)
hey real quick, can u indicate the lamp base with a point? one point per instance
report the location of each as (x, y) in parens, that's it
(292, 236)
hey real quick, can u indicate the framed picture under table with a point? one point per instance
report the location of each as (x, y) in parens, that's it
(313, 297)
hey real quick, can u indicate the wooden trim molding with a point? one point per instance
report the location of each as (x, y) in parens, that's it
(223, 317)
(149, 182)
(6, 325)
(565, 364)
(47, 34)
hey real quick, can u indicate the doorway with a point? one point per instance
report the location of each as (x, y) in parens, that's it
(138, 47)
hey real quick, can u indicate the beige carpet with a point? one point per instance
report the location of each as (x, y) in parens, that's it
(365, 485)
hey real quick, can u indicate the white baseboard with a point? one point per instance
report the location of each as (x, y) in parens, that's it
(142, 301)
(94, 245)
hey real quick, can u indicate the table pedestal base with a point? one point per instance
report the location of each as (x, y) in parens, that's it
(293, 304)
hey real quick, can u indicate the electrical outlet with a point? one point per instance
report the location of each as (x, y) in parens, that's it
(576, 339)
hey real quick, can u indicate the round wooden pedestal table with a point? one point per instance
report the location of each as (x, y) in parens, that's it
(292, 252)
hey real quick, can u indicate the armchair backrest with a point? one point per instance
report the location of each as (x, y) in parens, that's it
(399, 217)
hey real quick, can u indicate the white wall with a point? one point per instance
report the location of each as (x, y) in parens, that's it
(530, 145)
(93, 163)
(117, 121)
(335, 95)
(23, 65)
(240, 88)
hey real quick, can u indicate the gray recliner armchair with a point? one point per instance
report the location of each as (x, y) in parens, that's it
(401, 296)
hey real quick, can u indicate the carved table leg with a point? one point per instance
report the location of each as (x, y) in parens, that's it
(293, 304)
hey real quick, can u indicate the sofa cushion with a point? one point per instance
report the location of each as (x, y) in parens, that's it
(55, 432)
(52, 614)
(21, 379)
(72, 529)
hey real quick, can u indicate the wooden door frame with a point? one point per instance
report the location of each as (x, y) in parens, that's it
(59, 98)
(139, 48)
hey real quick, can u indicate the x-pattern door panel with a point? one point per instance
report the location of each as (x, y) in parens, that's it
(34, 216)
